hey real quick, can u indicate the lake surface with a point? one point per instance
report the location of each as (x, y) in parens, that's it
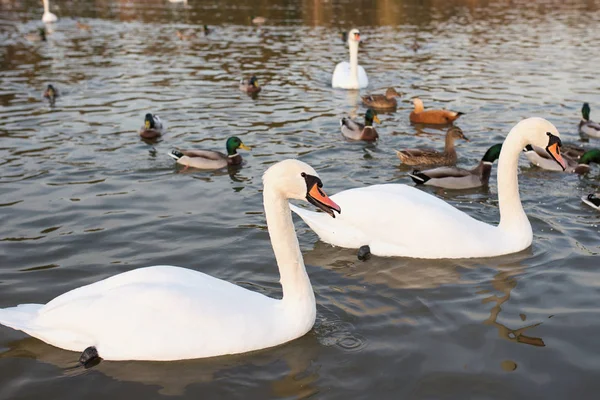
(84, 198)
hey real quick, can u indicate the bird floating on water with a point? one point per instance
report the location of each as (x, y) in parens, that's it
(152, 128)
(435, 117)
(350, 75)
(48, 17)
(167, 313)
(210, 159)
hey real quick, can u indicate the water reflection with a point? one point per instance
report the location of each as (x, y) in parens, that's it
(505, 281)
(293, 372)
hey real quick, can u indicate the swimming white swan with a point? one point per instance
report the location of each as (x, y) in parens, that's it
(350, 75)
(399, 220)
(48, 16)
(169, 313)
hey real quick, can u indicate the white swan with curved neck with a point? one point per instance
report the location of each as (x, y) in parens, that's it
(350, 75)
(48, 16)
(399, 220)
(166, 313)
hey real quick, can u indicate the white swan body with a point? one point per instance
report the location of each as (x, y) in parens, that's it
(165, 313)
(48, 16)
(350, 75)
(399, 220)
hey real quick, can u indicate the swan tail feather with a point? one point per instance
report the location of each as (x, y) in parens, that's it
(21, 317)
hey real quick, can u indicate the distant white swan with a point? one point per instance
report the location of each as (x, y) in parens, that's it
(48, 16)
(166, 313)
(350, 75)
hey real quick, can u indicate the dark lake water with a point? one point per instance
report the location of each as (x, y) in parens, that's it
(82, 197)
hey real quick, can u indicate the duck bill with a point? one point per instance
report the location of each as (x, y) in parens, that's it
(319, 199)
(376, 119)
(554, 151)
(244, 147)
(255, 83)
(147, 124)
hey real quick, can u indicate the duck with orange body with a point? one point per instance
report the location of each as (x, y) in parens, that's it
(436, 117)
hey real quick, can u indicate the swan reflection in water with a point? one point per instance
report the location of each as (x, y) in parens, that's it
(295, 377)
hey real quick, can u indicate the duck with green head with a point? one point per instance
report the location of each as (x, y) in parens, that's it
(460, 178)
(356, 131)
(250, 85)
(152, 128)
(575, 164)
(587, 126)
(210, 159)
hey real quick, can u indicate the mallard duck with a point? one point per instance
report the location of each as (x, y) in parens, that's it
(82, 26)
(459, 178)
(39, 36)
(357, 131)
(577, 162)
(586, 126)
(350, 75)
(250, 85)
(434, 157)
(435, 117)
(152, 127)
(167, 313)
(592, 200)
(209, 159)
(403, 221)
(51, 94)
(383, 102)
(48, 16)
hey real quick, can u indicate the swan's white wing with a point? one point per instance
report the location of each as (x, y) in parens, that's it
(363, 80)
(159, 313)
(399, 220)
(341, 75)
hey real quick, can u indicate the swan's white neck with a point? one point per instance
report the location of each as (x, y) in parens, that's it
(353, 46)
(46, 6)
(512, 216)
(297, 289)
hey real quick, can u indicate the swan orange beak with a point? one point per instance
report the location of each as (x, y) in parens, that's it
(317, 197)
(357, 37)
(554, 150)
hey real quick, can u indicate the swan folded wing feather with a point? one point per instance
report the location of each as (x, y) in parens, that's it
(341, 77)
(160, 313)
(420, 221)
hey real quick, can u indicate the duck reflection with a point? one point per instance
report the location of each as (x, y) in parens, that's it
(297, 379)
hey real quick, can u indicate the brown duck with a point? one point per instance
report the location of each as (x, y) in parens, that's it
(434, 157)
(385, 101)
(437, 117)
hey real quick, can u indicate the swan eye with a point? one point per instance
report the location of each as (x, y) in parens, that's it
(303, 175)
